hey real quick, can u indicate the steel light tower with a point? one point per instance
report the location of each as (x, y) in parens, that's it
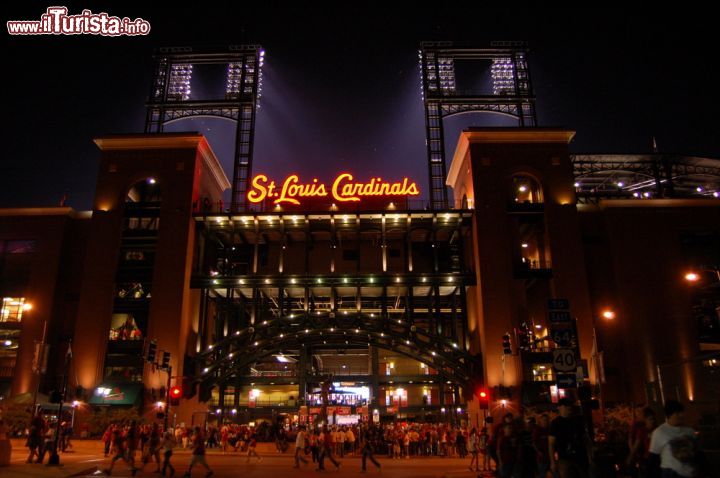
(172, 98)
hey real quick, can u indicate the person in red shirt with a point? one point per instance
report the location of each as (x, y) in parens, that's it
(326, 452)
(639, 442)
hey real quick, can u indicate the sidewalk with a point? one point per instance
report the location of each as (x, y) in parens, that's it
(87, 458)
(41, 471)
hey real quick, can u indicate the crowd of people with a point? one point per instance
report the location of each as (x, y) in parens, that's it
(41, 436)
(515, 447)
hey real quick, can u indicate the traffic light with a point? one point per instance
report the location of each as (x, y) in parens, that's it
(189, 389)
(523, 339)
(506, 344)
(174, 395)
(165, 363)
(152, 351)
(484, 399)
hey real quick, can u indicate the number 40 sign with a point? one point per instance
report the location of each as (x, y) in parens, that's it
(564, 360)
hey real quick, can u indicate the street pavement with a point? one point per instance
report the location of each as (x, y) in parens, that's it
(86, 459)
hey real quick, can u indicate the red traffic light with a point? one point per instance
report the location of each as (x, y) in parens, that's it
(483, 399)
(175, 392)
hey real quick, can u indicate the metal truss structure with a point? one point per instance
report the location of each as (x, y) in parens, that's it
(511, 95)
(646, 176)
(412, 304)
(171, 98)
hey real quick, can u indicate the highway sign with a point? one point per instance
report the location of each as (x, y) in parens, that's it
(567, 380)
(563, 335)
(559, 316)
(564, 360)
(558, 304)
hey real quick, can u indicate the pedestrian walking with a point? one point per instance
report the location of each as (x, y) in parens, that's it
(252, 451)
(107, 439)
(300, 447)
(198, 453)
(371, 438)
(120, 452)
(151, 449)
(483, 439)
(570, 441)
(474, 447)
(167, 445)
(35, 437)
(327, 444)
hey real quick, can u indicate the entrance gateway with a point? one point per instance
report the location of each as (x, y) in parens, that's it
(335, 312)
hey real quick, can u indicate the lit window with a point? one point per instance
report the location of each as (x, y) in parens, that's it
(711, 363)
(542, 373)
(12, 309)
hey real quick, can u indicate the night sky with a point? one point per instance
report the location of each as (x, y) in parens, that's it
(341, 86)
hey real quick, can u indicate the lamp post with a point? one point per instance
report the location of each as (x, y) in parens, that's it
(54, 459)
(39, 365)
(607, 314)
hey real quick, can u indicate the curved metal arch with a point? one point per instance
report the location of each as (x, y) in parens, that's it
(698, 176)
(170, 116)
(464, 109)
(604, 171)
(231, 354)
(180, 118)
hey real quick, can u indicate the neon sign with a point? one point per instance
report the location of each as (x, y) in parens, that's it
(342, 189)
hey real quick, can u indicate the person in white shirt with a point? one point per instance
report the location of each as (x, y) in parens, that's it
(674, 444)
(300, 447)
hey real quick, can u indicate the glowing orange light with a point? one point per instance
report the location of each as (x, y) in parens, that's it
(342, 189)
(608, 314)
(692, 277)
(483, 394)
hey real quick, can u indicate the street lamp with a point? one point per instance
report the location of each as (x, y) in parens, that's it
(694, 276)
(608, 314)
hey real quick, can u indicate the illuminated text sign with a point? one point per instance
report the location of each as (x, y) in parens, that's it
(343, 189)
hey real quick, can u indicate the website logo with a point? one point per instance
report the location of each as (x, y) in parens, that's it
(56, 21)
